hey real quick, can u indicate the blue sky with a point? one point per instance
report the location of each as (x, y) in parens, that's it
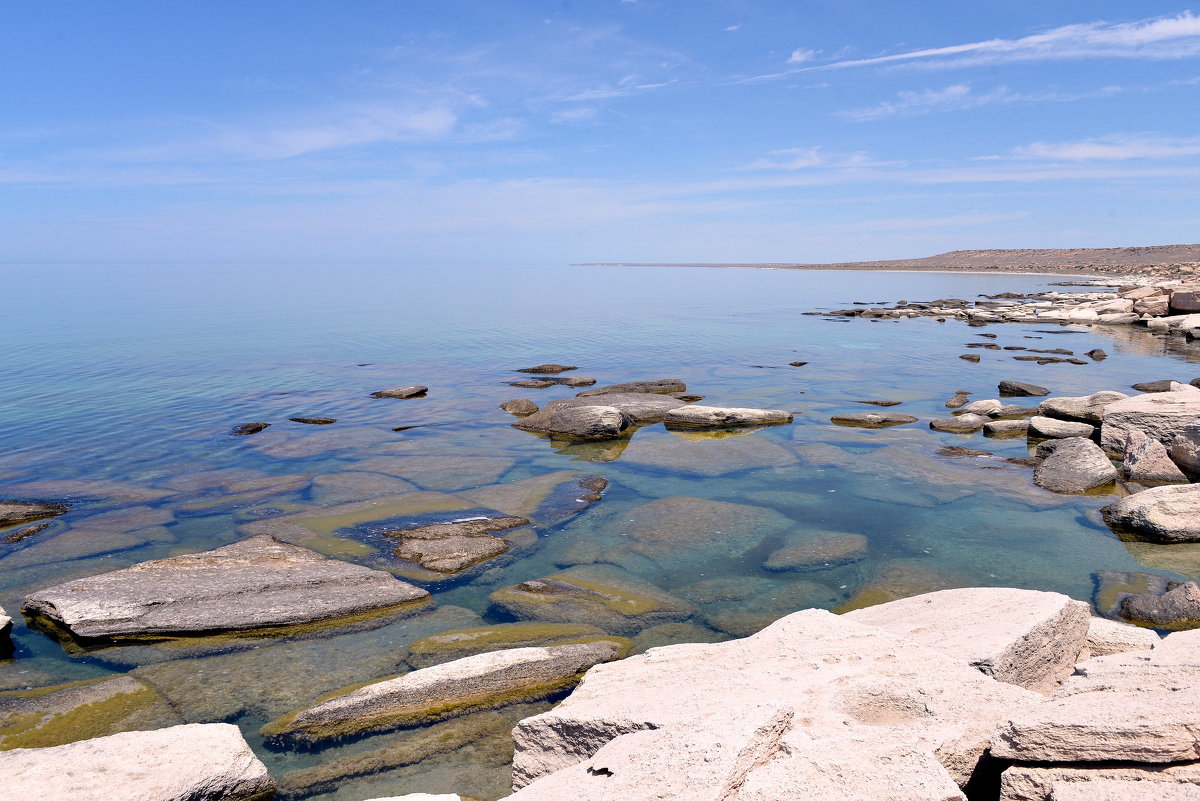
(473, 131)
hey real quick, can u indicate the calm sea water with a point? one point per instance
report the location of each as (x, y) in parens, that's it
(118, 387)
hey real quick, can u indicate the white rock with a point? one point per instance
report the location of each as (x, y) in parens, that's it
(1160, 415)
(180, 763)
(717, 417)
(5, 628)
(1113, 637)
(1147, 460)
(1087, 408)
(1023, 637)
(1159, 514)
(1029, 783)
(1185, 448)
(1051, 428)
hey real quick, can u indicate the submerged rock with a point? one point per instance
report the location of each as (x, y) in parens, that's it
(872, 419)
(196, 761)
(545, 500)
(246, 429)
(451, 547)
(547, 368)
(1176, 609)
(415, 391)
(817, 551)
(719, 417)
(447, 646)
(447, 690)
(257, 583)
(1159, 514)
(522, 407)
(314, 421)
(657, 386)
(1074, 466)
(14, 513)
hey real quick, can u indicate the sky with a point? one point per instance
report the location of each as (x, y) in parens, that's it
(500, 132)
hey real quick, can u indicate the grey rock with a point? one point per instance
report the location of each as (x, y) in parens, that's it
(314, 421)
(1159, 514)
(1147, 461)
(958, 401)
(1178, 609)
(981, 407)
(696, 416)
(1052, 428)
(1006, 428)
(414, 391)
(1096, 354)
(14, 513)
(819, 552)
(454, 546)
(1076, 465)
(447, 690)
(547, 368)
(246, 429)
(1012, 411)
(577, 422)
(1154, 386)
(641, 407)
(1185, 448)
(661, 385)
(1020, 389)
(257, 583)
(964, 424)
(181, 763)
(873, 419)
(969, 357)
(1160, 415)
(1086, 409)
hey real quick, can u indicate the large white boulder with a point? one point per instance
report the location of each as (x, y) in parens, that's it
(1023, 637)
(1160, 415)
(180, 763)
(1086, 409)
(1045, 783)
(1159, 514)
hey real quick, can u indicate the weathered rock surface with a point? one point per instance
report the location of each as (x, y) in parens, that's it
(963, 424)
(1085, 409)
(180, 763)
(547, 368)
(1052, 428)
(1163, 385)
(661, 385)
(1076, 465)
(454, 688)
(695, 416)
(872, 419)
(314, 421)
(1019, 389)
(1032, 638)
(1185, 448)
(1107, 637)
(642, 407)
(817, 551)
(522, 407)
(1160, 415)
(414, 391)
(49, 716)
(246, 429)
(1046, 783)
(835, 673)
(545, 500)
(577, 422)
(257, 583)
(446, 646)
(451, 547)
(14, 513)
(1159, 514)
(983, 407)
(1147, 461)
(1006, 428)
(1177, 609)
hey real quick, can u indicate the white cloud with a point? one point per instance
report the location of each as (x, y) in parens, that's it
(801, 55)
(732, 28)
(961, 96)
(1117, 147)
(574, 115)
(802, 158)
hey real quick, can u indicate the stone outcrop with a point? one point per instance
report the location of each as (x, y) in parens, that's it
(1048, 783)
(836, 674)
(1159, 415)
(1075, 465)
(660, 385)
(1159, 514)
(414, 391)
(180, 763)
(1147, 461)
(872, 419)
(963, 424)
(577, 422)
(1051, 428)
(522, 407)
(1085, 409)
(1185, 448)
(447, 690)
(452, 547)
(257, 583)
(1176, 609)
(1032, 638)
(15, 513)
(695, 416)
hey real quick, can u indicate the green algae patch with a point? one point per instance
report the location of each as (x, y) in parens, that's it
(450, 645)
(66, 713)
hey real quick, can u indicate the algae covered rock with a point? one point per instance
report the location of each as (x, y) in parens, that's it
(446, 646)
(451, 547)
(257, 583)
(817, 551)
(14, 513)
(447, 690)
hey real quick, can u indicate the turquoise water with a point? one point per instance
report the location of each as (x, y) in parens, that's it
(118, 387)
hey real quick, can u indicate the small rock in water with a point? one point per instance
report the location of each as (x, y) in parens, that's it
(314, 421)
(663, 386)
(451, 547)
(415, 391)
(969, 357)
(1018, 389)
(547, 368)
(1074, 466)
(797, 364)
(963, 424)
(531, 383)
(688, 397)
(1006, 428)
(717, 417)
(989, 336)
(246, 429)
(958, 401)
(1096, 354)
(522, 407)
(14, 513)
(959, 451)
(881, 403)
(872, 419)
(1163, 385)
(1050, 428)
(14, 537)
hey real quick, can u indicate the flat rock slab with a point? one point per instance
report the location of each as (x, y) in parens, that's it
(547, 368)
(818, 551)
(658, 385)
(1160, 415)
(257, 583)
(451, 547)
(1019, 389)
(414, 391)
(180, 763)
(14, 513)
(1006, 428)
(1085, 409)
(836, 674)
(586, 422)
(1023, 637)
(1031, 783)
(963, 424)
(446, 646)
(447, 690)
(695, 416)
(1159, 514)
(1052, 428)
(1117, 790)
(1074, 466)
(872, 419)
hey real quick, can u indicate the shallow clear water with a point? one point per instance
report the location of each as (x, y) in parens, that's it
(118, 387)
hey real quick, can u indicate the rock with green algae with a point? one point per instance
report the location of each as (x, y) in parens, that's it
(674, 634)
(483, 681)
(450, 547)
(446, 646)
(604, 596)
(901, 578)
(66, 713)
(817, 551)
(14, 513)
(482, 729)
(356, 485)
(706, 457)
(545, 500)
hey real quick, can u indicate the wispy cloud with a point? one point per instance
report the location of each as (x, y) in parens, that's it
(581, 114)
(801, 55)
(1116, 147)
(961, 96)
(802, 158)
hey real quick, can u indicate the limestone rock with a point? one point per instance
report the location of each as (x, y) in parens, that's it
(49, 716)
(963, 424)
(1022, 637)
(1185, 448)
(873, 419)
(1159, 514)
(446, 646)
(981, 407)
(642, 407)
(1040, 783)
(1118, 790)
(14, 513)
(661, 385)
(522, 407)
(415, 391)
(836, 674)
(1020, 389)
(1075, 466)
(1160, 415)
(451, 547)
(1185, 299)
(447, 690)
(1147, 461)
(547, 368)
(577, 422)
(1086, 409)
(696, 416)
(817, 551)
(1006, 428)
(257, 583)
(180, 763)
(1177, 609)
(1113, 637)
(1051, 428)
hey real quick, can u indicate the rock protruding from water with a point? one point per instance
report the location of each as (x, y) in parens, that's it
(1185, 448)
(1053, 428)
(246, 429)
(257, 583)
(196, 761)
(15, 513)
(1085, 409)
(872, 419)
(1074, 466)
(1176, 609)
(1147, 461)
(415, 391)
(963, 424)
(657, 386)
(314, 421)
(577, 422)
(454, 688)
(1160, 514)
(1018, 389)
(1160, 415)
(521, 407)
(544, 369)
(695, 416)
(452, 547)
(1032, 640)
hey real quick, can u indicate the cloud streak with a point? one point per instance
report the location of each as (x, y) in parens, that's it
(961, 96)
(1116, 147)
